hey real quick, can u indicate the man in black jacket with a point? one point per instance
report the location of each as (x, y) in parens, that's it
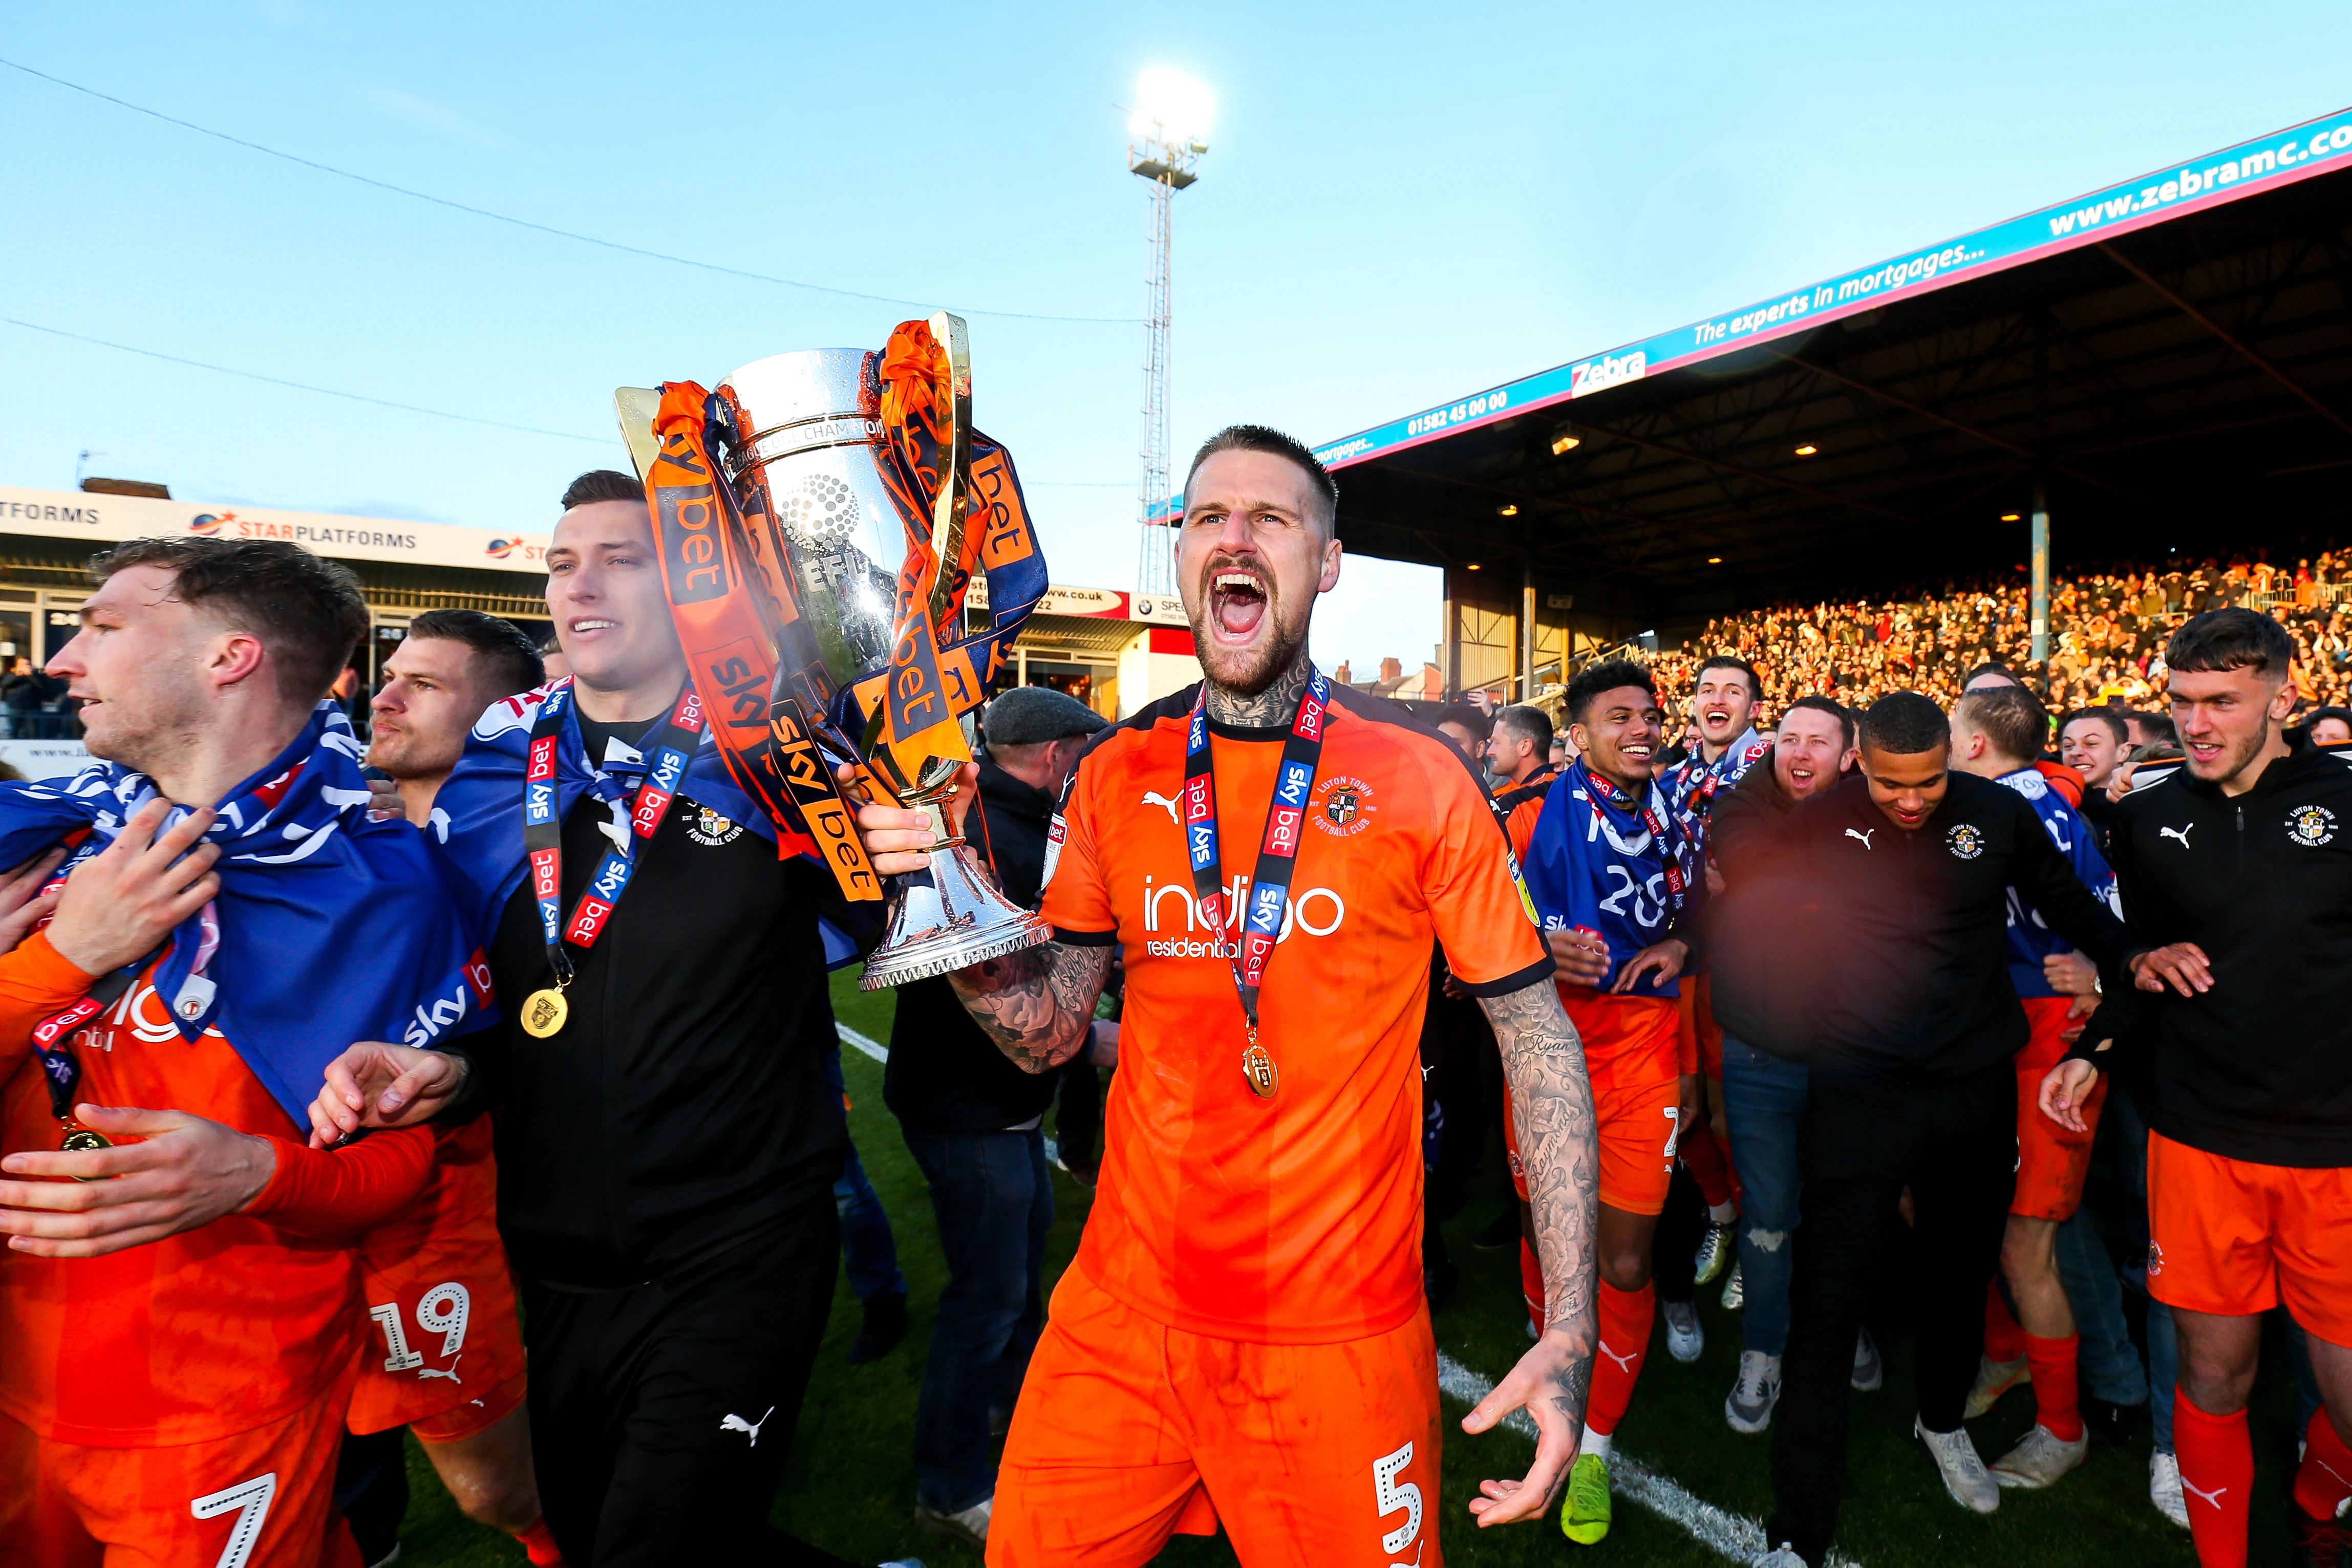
(666, 1148)
(1764, 1093)
(1913, 1024)
(2240, 864)
(972, 1120)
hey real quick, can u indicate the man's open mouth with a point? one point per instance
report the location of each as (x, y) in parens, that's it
(1238, 601)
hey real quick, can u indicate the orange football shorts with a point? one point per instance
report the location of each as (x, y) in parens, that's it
(2052, 1162)
(1127, 1432)
(2231, 1238)
(1640, 1128)
(1632, 1050)
(444, 1346)
(262, 1498)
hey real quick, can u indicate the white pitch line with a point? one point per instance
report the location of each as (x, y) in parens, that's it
(1731, 1535)
(850, 1036)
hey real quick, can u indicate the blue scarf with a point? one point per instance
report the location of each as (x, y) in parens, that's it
(478, 815)
(1692, 784)
(1594, 864)
(329, 928)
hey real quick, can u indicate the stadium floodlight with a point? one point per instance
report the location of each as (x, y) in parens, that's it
(2012, 517)
(1507, 509)
(1565, 440)
(1171, 107)
(1167, 133)
(1807, 450)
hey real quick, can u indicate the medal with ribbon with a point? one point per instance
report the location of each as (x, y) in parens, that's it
(545, 1010)
(53, 1036)
(1260, 927)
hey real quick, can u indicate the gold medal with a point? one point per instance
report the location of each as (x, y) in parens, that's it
(543, 1012)
(1258, 1068)
(81, 1140)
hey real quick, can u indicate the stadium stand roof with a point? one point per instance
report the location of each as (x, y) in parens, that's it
(2171, 356)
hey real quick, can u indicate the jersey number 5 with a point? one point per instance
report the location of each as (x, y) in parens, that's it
(441, 1309)
(1388, 1497)
(250, 1500)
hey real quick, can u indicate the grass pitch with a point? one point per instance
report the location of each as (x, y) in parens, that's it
(850, 1484)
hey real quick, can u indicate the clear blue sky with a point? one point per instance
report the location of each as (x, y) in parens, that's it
(1400, 205)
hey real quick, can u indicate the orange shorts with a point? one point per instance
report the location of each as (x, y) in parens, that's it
(2052, 1162)
(263, 1498)
(1127, 1432)
(1636, 1099)
(2232, 1237)
(1632, 1050)
(443, 1351)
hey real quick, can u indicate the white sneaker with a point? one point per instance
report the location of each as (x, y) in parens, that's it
(1685, 1337)
(2040, 1458)
(1994, 1378)
(1869, 1370)
(1964, 1473)
(2164, 1488)
(1780, 1557)
(1749, 1406)
(968, 1525)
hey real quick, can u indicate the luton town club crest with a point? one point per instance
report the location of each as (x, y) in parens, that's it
(1345, 807)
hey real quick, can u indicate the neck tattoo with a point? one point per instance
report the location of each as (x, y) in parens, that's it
(1276, 704)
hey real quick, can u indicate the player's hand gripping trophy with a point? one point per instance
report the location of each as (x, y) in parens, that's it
(820, 517)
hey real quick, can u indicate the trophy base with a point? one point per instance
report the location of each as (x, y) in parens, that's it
(948, 918)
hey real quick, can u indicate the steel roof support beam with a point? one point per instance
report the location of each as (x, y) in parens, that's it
(2223, 333)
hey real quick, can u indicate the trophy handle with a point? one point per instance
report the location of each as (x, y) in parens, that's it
(637, 407)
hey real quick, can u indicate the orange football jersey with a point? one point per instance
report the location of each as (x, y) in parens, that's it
(198, 1336)
(1294, 1218)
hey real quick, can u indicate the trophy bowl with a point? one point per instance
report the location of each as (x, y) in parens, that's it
(809, 457)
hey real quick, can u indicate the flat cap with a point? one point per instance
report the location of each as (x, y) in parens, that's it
(1028, 716)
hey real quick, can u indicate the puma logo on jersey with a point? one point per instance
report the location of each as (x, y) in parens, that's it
(734, 1423)
(1154, 797)
(1624, 1363)
(425, 1372)
(2213, 1497)
(1859, 833)
(2181, 833)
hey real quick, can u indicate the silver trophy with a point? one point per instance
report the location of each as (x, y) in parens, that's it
(812, 441)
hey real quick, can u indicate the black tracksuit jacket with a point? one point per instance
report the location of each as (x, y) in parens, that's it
(2260, 1067)
(682, 1109)
(1890, 948)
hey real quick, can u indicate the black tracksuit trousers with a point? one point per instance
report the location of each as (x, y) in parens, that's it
(1953, 1142)
(644, 1402)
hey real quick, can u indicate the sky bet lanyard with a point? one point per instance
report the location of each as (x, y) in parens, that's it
(1597, 790)
(1278, 856)
(544, 1010)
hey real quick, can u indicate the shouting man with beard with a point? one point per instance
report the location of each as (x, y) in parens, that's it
(1242, 1337)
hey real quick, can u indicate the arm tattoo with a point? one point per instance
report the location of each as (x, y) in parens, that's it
(1551, 1106)
(1035, 1004)
(1276, 704)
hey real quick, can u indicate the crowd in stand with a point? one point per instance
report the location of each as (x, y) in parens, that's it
(2107, 632)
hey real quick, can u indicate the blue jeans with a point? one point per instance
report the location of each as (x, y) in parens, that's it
(1764, 1100)
(2107, 1358)
(994, 1200)
(866, 1244)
